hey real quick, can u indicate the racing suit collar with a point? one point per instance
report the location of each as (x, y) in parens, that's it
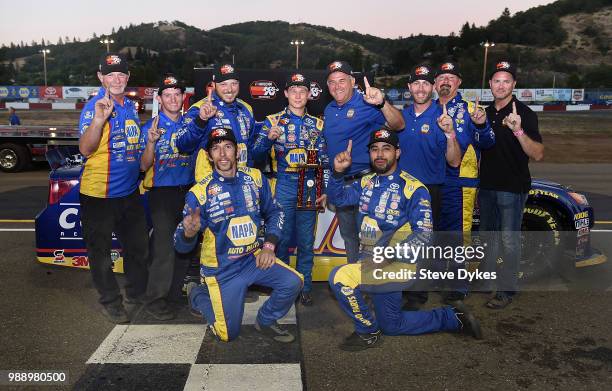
(392, 176)
(163, 117)
(216, 98)
(456, 99)
(291, 114)
(222, 178)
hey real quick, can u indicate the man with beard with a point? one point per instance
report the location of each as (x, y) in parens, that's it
(169, 175)
(429, 136)
(289, 134)
(460, 184)
(352, 116)
(231, 205)
(473, 134)
(220, 109)
(110, 201)
(504, 177)
(394, 209)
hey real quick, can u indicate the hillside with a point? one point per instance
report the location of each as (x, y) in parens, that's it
(567, 40)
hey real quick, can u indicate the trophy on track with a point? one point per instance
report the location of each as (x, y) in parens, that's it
(309, 190)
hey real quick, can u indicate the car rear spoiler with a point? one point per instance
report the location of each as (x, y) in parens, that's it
(65, 155)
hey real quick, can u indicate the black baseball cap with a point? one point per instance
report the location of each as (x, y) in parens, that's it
(449, 67)
(113, 62)
(384, 135)
(339, 66)
(170, 81)
(220, 134)
(503, 66)
(297, 79)
(421, 72)
(225, 72)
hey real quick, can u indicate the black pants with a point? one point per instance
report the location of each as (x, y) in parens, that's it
(435, 192)
(168, 268)
(125, 216)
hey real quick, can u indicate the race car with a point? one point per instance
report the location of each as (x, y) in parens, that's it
(562, 217)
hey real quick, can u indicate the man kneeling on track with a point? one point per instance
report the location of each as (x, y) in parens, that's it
(230, 206)
(395, 208)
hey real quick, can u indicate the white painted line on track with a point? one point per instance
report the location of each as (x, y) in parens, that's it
(17, 229)
(150, 344)
(228, 377)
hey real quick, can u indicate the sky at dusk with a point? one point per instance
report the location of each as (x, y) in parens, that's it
(27, 20)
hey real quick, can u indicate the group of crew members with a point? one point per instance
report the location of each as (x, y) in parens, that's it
(391, 176)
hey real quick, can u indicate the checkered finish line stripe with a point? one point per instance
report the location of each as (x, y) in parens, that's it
(149, 355)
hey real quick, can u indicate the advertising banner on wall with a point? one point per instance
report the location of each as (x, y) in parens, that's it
(51, 92)
(18, 92)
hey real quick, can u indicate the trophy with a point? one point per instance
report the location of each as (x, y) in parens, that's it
(312, 188)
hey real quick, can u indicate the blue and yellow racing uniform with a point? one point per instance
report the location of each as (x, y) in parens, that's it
(112, 170)
(394, 209)
(170, 167)
(287, 153)
(232, 212)
(460, 184)
(237, 116)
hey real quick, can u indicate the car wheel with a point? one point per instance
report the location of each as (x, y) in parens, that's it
(542, 250)
(13, 157)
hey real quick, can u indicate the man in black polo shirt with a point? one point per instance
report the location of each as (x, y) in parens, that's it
(505, 179)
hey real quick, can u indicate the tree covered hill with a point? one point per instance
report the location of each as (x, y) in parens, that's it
(568, 40)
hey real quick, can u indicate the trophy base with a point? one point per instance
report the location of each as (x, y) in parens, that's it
(309, 165)
(313, 208)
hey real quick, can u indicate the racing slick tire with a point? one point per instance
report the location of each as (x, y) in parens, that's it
(14, 157)
(541, 252)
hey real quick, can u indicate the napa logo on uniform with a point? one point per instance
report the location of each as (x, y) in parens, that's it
(242, 231)
(132, 131)
(370, 232)
(296, 157)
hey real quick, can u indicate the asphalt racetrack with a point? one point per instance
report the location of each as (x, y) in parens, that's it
(558, 339)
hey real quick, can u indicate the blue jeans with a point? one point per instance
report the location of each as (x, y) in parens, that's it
(348, 222)
(300, 222)
(501, 214)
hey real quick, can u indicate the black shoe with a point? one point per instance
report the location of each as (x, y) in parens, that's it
(468, 324)
(115, 312)
(357, 342)
(159, 310)
(454, 299)
(276, 332)
(192, 310)
(251, 297)
(306, 299)
(499, 301)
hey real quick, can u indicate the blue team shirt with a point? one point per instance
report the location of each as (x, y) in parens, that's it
(355, 120)
(170, 167)
(113, 168)
(423, 145)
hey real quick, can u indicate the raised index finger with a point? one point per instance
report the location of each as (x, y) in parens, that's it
(513, 107)
(209, 90)
(366, 83)
(155, 122)
(349, 148)
(444, 109)
(476, 103)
